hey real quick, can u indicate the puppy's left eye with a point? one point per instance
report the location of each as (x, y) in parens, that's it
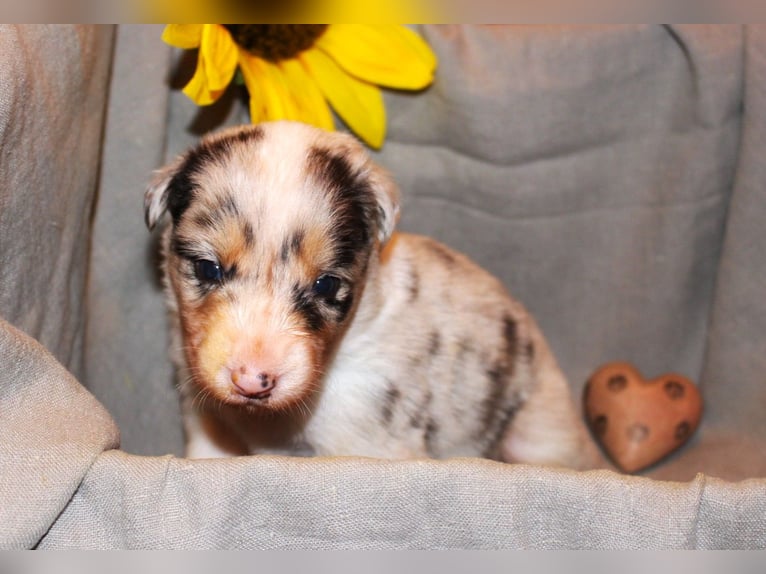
(326, 286)
(208, 271)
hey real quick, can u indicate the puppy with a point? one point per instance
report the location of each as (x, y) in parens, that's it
(303, 324)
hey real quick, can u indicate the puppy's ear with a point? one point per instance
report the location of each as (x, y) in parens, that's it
(384, 188)
(387, 197)
(156, 195)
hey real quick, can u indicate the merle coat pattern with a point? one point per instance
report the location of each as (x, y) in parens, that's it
(302, 323)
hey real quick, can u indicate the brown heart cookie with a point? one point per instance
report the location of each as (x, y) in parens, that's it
(638, 422)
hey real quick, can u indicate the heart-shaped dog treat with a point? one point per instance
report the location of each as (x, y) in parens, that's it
(638, 422)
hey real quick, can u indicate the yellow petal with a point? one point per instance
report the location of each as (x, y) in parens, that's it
(257, 101)
(216, 64)
(197, 88)
(417, 43)
(359, 104)
(284, 91)
(220, 53)
(267, 91)
(387, 55)
(184, 36)
(310, 105)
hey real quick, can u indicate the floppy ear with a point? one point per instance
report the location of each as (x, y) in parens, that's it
(156, 195)
(384, 188)
(387, 197)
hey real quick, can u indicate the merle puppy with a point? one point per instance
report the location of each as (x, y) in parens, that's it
(302, 323)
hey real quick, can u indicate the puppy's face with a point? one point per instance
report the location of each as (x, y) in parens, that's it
(271, 231)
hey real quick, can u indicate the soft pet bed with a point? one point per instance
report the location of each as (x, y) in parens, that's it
(613, 177)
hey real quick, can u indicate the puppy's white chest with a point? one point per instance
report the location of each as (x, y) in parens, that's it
(347, 417)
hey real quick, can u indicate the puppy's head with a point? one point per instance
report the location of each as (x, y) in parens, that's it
(271, 229)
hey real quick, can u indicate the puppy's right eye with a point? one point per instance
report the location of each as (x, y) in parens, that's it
(208, 271)
(326, 286)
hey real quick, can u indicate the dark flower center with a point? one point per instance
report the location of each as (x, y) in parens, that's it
(275, 42)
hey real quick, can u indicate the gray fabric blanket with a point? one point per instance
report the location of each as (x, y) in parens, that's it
(611, 176)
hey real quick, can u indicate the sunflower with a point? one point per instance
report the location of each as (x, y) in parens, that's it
(293, 71)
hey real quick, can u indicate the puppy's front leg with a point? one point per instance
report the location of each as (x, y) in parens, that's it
(207, 437)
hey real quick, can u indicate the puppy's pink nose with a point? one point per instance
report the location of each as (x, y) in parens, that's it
(254, 384)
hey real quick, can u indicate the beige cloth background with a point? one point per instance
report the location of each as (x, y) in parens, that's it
(611, 176)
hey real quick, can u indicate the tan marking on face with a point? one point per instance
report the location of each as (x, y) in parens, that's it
(231, 245)
(210, 354)
(224, 338)
(315, 254)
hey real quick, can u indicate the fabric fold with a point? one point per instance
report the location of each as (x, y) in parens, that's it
(273, 502)
(51, 431)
